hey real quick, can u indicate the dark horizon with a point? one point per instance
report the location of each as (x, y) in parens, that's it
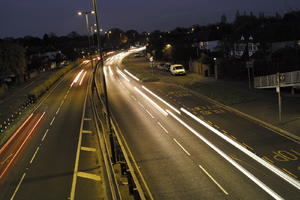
(60, 17)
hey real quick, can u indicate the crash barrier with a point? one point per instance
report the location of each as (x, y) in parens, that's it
(119, 152)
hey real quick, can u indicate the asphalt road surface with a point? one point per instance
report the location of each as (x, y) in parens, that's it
(182, 158)
(46, 158)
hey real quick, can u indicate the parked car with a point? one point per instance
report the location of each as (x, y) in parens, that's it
(164, 66)
(177, 69)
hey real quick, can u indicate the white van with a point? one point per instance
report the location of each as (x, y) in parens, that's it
(177, 69)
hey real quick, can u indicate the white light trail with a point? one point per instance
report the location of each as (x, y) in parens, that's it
(229, 159)
(123, 75)
(76, 78)
(110, 71)
(152, 102)
(130, 74)
(272, 168)
(170, 106)
(82, 79)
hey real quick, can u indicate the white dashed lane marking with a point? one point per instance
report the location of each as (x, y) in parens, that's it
(182, 147)
(163, 128)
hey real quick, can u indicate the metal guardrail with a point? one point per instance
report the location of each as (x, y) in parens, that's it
(287, 79)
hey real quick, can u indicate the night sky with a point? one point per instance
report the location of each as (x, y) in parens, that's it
(20, 18)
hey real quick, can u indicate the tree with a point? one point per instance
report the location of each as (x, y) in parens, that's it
(12, 60)
(223, 19)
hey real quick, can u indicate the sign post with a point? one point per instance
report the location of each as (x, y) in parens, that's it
(151, 60)
(249, 64)
(278, 78)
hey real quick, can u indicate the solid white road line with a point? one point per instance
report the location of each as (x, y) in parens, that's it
(223, 190)
(152, 102)
(156, 96)
(182, 147)
(18, 186)
(163, 128)
(32, 158)
(132, 76)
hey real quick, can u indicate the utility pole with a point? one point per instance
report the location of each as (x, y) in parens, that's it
(108, 117)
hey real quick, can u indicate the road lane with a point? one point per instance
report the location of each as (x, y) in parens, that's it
(44, 169)
(121, 92)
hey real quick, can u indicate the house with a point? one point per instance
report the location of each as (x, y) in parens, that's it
(211, 46)
(280, 45)
(240, 47)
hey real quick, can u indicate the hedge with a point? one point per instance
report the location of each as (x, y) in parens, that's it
(39, 90)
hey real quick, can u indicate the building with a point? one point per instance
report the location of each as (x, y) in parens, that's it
(240, 47)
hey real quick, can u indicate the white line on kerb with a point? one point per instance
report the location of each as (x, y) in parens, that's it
(52, 121)
(162, 127)
(219, 186)
(18, 186)
(150, 114)
(45, 134)
(37, 149)
(182, 147)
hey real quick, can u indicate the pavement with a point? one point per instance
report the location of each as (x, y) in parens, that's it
(255, 104)
(261, 104)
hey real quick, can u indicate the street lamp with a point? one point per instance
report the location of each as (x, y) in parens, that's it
(108, 117)
(86, 13)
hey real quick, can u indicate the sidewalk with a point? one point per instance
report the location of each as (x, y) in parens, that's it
(260, 104)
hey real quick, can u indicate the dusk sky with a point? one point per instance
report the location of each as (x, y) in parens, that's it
(35, 17)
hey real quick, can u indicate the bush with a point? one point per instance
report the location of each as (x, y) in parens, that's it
(39, 90)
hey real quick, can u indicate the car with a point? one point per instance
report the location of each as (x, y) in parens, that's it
(177, 69)
(164, 66)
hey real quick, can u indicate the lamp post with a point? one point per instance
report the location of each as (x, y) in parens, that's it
(104, 84)
(86, 13)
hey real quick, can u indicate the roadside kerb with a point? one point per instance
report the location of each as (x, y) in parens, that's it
(248, 117)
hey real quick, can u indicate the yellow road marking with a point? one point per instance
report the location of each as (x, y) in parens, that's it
(86, 131)
(89, 176)
(88, 149)
(247, 146)
(290, 173)
(267, 159)
(87, 119)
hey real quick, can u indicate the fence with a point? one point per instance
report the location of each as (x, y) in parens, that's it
(287, 79)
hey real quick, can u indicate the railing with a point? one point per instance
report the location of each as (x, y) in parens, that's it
(139, 184)
(287, 79)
